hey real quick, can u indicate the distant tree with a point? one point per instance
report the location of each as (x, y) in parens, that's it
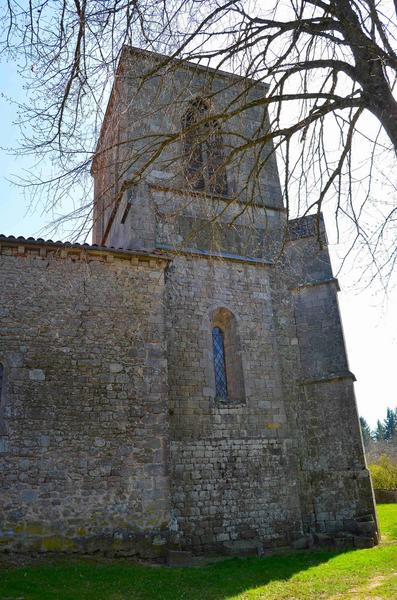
(379, 433)
(390, 425)
(365, 431)
(384, 473)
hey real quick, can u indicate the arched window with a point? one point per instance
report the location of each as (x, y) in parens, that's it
(1, 379)
(204, 166)
(193, 144)
(218, 346)
(228, 367)
(217, 181)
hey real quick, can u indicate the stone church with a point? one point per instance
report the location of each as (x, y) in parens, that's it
(182, 383)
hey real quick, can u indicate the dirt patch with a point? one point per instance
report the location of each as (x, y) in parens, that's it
(357, 593)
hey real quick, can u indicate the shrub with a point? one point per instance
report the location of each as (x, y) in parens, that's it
(384, 473)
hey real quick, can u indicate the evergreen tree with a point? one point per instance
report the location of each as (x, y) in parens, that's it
(379, 433)
(365, 431)
(390, 425)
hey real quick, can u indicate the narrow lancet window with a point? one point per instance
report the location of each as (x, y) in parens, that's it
(204, 163)
(193, 144)
(1, 378)
(217, 182)
(226, 350)
(219, 363)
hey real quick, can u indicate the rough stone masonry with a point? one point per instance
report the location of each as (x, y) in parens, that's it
(124, 428)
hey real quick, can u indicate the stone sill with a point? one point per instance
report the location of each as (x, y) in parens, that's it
(329, 378)
(212, 196)
(218, 255)
(316, 283)
(221, 403)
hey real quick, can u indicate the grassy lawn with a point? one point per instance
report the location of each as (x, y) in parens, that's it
(359, 574)
(387, 514)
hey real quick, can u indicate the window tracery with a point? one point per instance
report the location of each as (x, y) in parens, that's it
(203, 155)
(227, 361)
(218, 347)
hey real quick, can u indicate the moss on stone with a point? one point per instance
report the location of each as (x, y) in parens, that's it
(56, 543)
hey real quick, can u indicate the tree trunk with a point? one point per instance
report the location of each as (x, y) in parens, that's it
(370, 71)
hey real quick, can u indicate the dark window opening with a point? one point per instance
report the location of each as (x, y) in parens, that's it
(204, 166)
(227, 358)
(218, 345)
(217, 182)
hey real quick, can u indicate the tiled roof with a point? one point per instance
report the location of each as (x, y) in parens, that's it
(30, 241)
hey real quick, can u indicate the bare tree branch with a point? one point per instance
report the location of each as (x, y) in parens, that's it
(329, 68)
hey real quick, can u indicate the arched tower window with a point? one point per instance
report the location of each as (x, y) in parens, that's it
(193, 144)
(228, 367)
(218, 346)
(204, 165)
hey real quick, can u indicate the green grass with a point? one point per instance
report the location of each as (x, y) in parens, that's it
(360, 574)
(387, 514)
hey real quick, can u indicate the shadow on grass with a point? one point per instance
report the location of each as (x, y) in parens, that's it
(122, 580)
(303, 576)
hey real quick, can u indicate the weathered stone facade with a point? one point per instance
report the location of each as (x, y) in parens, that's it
(112, 435)
(84, 421)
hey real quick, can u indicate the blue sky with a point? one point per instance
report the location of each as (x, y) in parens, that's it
(369, 318)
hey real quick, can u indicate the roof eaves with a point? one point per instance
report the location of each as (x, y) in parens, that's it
(11, 240)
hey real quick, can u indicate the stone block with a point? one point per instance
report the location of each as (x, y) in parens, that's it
(36, 375)
(243, 548)
(344, 543)
(323, 539)
(179, 558)
(303, 542)
(366, 527)
(364, 542)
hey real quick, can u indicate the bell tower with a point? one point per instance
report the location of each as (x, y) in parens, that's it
(173, 169)
(260, 396)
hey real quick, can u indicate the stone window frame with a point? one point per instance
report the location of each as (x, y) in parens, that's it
(226, 321)
(202, 150)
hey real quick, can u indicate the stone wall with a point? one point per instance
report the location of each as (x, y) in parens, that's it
(112, 437)
(287, 462)
(84, 438)
(386, 496)
(335, 486)
(234, 471)
(184, 221)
